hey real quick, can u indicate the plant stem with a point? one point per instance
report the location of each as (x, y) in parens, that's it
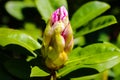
(105, 75)
(53, 75)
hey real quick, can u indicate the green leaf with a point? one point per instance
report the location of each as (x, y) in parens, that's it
(14, 8)
(11, 36)
(79, 41)
(104, 37)
(88, 12)
(32, 30)
(116, 70)
(74, 53)
(118, 40)
(45, 8)
(99, 23)
(99, 56)
(4, 75)
(58, 3)
(19, 68)
(37, 72)
(90, 77)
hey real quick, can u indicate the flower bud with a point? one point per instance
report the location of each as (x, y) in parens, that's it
(57, 39)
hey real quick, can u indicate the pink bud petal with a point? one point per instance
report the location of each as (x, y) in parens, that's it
(59, 14)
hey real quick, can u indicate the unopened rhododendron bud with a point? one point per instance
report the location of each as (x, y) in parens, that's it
(57, 39)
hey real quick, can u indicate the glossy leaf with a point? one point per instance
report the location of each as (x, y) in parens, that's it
(97, 24)
(18, 68)
(88, 12)
(99, 56)
(74, 53)
(45, 8)
(14, 8)
(37, 72)
(11, 36)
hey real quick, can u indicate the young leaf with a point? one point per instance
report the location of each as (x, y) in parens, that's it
(11, 36)
(37, 72)
(45, 8)
(18, 68)
(99, 23)
(99, 56)
(88, 12)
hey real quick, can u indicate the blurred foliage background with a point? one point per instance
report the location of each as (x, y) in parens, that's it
(112, 31)
(32, 17)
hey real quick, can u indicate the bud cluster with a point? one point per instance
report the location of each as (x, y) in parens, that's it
(57, 39)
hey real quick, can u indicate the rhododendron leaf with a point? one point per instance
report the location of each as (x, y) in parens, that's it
(88, 12)
(32, 30)
(99, 56)
(99, 23)
(14, 8)
(4, 75)
(19, 68)
(45, 8)
(12, 36)
(37, 72)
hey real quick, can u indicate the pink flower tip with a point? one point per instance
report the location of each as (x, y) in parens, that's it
(59, 14)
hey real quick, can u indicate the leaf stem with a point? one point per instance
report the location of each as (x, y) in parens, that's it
(105, 75)
(53, 75)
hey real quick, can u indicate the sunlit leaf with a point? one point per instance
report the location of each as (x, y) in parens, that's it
(32, 30)
(11, 36)
(88, 12)
(37, 72)
(97, 24)
(45, 8)
(99, 56)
